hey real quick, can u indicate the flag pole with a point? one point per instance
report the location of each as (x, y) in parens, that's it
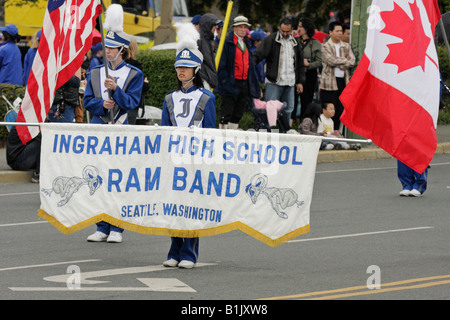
(102, 33)
(444, 35)
(222, 37)
(368, 141)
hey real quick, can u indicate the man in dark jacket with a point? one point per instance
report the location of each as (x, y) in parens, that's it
(238, 84)
(285, 69)
(208, 24)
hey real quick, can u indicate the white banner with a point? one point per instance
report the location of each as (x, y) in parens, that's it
(184, 182)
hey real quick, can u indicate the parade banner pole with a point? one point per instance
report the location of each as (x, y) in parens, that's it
(225, 28)
(367, 141)
(102, 33)
(18, 124)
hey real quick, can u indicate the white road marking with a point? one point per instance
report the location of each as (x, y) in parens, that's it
(48, 264)
(151, 284)
(360, 234)
(21, 223)
(18, 194)
(85, 276)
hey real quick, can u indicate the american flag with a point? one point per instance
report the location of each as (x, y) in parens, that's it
(65, 39)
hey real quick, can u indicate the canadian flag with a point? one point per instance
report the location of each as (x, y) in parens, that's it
(393, 96)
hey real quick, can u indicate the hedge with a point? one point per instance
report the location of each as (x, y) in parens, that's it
(158, 68)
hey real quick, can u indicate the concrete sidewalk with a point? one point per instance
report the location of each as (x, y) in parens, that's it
(366, 153)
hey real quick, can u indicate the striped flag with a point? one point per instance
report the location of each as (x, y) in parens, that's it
(66, 37)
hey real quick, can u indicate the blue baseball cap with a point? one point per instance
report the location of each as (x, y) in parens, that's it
(11, 29)
(196, 19)
(258, 35)
(97, 47)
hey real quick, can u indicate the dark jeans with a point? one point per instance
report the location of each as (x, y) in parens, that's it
(233, 106)
(29, 158)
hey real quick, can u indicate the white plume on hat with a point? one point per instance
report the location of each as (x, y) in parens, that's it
(188, 54)
(187, 36)
(114, 18)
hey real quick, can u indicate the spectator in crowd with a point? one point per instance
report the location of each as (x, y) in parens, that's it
(337, 59)
(285, 70)
(97, 56)
(10, 56)
(66, 100)
(133, 51)
(257, 37)
(238, 84)
(217, 37)
(79, 110)
(312, 55)
(346, 33)
(326, 127)
(29, 56)
(196, 21)
(23, 157)
(208, 26)
(310, 124)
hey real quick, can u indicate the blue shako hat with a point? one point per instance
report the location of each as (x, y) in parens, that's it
(189, 57)
(117, 39)
(188, 54)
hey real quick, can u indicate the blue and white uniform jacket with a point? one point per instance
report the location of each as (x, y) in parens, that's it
(195, 106)
(129, 81)
(10, 63)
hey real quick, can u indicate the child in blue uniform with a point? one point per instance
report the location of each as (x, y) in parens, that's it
(201, 112)
(413, 183)
(116, 94)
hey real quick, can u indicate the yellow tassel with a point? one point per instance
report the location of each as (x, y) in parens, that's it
(174, 232)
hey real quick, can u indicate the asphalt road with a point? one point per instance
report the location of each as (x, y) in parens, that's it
(362, 235)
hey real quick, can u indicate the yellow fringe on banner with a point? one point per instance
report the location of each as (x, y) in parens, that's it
(174, 232)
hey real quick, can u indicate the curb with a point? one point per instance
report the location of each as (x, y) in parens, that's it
(10, 176)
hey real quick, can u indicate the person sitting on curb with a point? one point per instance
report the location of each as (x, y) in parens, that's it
(23, 157)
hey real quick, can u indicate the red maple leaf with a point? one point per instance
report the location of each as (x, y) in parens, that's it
(412, 51)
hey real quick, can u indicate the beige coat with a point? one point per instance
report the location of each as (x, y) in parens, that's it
(330, 61)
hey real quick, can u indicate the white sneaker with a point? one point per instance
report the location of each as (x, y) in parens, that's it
(404, 193)
(98, 236)
(171, 263)
(114, 237)
(329, 147)
(186, 264)
(415, 193)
